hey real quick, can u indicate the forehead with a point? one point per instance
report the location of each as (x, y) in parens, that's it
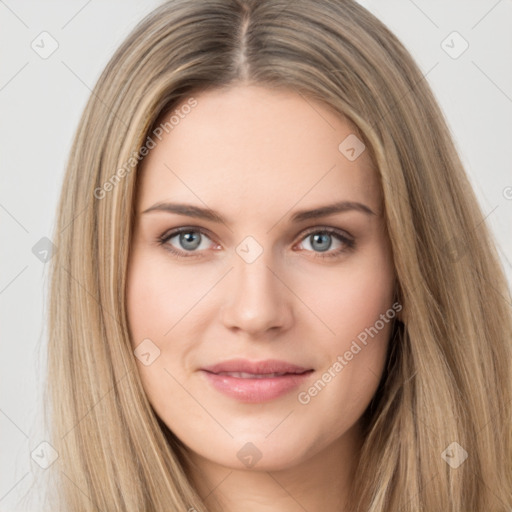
(250, 146)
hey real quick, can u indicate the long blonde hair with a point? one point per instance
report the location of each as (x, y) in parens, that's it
(448, 377)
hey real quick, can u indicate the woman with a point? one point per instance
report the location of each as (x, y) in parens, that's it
(274, 289)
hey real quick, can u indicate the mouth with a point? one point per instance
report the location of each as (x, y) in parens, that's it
(245, 375)
(254, 382)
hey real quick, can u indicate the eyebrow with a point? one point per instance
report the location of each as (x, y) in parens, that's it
(300, 216)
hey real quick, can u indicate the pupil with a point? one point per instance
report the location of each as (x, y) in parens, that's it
(325, 238)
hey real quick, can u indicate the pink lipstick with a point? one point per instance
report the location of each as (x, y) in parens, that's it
(257, 381)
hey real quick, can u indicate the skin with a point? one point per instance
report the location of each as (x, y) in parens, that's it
(256, 156)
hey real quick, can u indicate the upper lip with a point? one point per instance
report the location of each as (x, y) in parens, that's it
(255, 367)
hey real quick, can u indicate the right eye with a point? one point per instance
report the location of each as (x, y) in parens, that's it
(184, 240)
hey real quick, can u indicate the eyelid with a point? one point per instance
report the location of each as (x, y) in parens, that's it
(170, 233)
(326, 229)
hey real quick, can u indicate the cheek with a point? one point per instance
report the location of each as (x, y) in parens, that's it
(158, 299)
(159, 296)
(356, 304)
(348, 300)
(145, 300)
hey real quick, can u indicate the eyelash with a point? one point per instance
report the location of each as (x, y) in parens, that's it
(349, 243)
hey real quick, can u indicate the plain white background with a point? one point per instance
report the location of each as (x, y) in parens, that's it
(41, 100)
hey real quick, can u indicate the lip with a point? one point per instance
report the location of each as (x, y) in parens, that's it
(264, 386)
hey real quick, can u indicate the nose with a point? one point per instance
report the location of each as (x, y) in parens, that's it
(256, 298)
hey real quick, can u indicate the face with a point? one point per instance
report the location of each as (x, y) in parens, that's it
(260, 282)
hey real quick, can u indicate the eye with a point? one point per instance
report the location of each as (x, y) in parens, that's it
(184, 240)
(189, 242)
(321, 241)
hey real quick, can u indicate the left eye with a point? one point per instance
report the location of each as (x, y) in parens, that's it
(190, 240)
(321, 241)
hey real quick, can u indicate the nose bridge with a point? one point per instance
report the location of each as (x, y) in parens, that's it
(252, 262)
(256, 299)
(254, 278)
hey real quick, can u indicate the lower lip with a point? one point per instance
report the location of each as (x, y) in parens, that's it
(256, 390)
